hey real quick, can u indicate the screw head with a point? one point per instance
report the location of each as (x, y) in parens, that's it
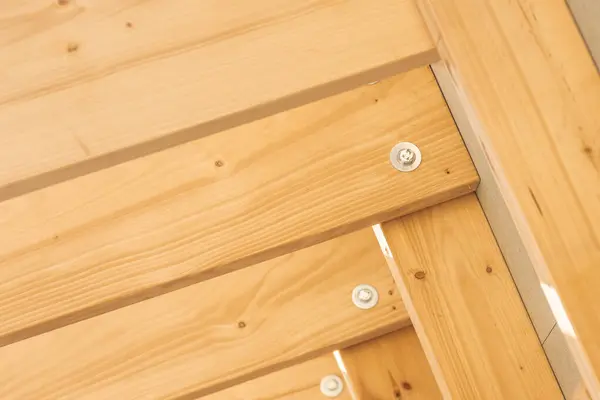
(365, 296)
(405, 157)
(332, 386)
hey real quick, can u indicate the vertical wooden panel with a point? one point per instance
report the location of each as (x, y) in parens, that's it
(391, 367)
(532, 92)
(464, 305)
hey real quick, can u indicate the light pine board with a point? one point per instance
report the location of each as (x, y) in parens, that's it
(512, 247)
(155, 224)
(299, 382)
(87, 84)
(497, 213)
(464, 305)
(532, 92)
(391, 367)
(215, 334)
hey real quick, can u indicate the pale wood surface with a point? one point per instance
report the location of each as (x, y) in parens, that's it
(511, 243)
(533, 93)
(391, 367)
(224, 202)
(498, 215)
(464, 305)
(214, 334)
(91, 83)
(299, 382)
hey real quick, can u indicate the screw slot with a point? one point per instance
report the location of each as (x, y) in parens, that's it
(405, 157)
(365, 296)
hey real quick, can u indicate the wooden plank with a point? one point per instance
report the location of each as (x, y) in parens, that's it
(390, 367)
(299, 382)
(464, 305)
(215, 334)
(508, 238)
(532, 92)
(498, 215)
(86, 86)
(193, 212)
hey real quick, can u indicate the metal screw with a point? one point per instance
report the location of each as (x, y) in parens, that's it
(365, 296)
(331, 386)
(405, 157)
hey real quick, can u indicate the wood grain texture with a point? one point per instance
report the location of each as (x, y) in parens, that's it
(498, 215)
(212, 335)
(533, 93)
(464, 305)
(299, 382)
(224, 202)
(86, 85)
(391, 367)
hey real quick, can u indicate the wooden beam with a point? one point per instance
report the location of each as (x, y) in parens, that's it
(390, 367)
(532, 92)
(209, 336)
(86, 86)
(224, 202)
(464, 305)
(299, 382)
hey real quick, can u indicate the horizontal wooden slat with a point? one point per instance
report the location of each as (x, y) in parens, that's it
(209, 336)
(464, 305)
(299, 382)
(88, 84)
(230, 200)
(391, 367)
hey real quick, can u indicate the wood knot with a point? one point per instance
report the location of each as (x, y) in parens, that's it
(406, 386)
(420, 274)
(72, 47)
(241, 324)
(488, 269)
(219, 163)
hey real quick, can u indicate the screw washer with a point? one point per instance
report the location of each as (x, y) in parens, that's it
(332, 386)
(365, 296)
(405, 157)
